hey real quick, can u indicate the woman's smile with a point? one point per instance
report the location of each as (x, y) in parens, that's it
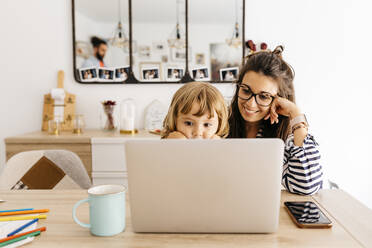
(250, 111)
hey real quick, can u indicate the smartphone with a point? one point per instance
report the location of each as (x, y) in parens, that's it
(307, 214)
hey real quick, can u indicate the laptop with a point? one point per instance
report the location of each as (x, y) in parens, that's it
(205, 186)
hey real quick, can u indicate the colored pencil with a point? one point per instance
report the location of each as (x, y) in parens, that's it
(40, 216)
(21, 243)
(19, 238)
(41, 229)
(16, 210)
(22, 227)
(36, 211)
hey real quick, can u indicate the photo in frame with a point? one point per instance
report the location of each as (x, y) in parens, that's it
(179, 54)
(223, 56)
(121, 73)
(200, 74)
(174, 74)
(229, 74)
(106, 74)
(144, 51)
(88, 74)
(150, 71)
(83, 49)
(200, 59)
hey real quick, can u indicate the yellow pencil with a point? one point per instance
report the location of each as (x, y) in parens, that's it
(40, 216)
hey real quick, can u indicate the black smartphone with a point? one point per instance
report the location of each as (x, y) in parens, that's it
(307, 214)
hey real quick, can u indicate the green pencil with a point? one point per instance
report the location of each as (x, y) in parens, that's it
(19, 238)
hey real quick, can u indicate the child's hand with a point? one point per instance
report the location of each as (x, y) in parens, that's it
(215, 137)
(176, 135)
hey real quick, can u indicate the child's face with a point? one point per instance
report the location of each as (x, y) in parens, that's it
(197, 127)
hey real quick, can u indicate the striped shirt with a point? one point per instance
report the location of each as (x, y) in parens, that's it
(302, 172)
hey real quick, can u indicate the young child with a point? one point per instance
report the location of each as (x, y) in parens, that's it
(197, 111)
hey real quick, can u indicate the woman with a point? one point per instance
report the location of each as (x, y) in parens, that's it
(264, 107)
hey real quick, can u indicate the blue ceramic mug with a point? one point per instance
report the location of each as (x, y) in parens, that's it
(106, 210)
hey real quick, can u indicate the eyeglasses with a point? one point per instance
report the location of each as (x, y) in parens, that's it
(245, 93)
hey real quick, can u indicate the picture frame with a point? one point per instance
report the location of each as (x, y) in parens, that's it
(106, 74)
(223, 56)
(200, 59)
(200, 74)
(179, 54)
(121, 73)
(229, 74)
(174, 73)
(83, 49)
(150, 71)
(144, 51)
(88, 74)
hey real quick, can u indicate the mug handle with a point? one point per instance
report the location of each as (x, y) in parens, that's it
(74, 213)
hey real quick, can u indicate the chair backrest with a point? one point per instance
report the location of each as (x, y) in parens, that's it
(44, 169)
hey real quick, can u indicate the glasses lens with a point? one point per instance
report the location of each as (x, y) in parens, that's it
(263, 99)
(245, 92)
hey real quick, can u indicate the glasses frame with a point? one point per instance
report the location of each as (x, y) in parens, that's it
(253, 95)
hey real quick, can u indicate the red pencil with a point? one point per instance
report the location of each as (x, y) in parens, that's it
(41, 229)
(25, 212)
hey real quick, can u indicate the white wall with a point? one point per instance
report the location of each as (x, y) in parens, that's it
(326, 42)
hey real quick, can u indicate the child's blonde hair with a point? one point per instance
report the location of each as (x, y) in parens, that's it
(209, 100)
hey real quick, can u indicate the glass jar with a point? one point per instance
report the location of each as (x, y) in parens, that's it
(78, 124)
(108, 116)
(54, 126)
(127, 116)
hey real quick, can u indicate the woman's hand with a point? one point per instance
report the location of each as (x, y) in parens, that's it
(282, 106)
(176, 135)
(215, 136)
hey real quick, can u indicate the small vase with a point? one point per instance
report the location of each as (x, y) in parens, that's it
(109, 122)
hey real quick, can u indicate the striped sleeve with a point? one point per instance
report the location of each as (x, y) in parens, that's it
(302, 172)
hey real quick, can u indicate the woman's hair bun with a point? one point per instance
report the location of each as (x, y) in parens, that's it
(278, 51)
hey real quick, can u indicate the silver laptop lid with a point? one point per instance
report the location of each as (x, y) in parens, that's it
(205, 186)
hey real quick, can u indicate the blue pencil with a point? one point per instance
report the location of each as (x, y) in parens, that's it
(22, 227)
(16, 210)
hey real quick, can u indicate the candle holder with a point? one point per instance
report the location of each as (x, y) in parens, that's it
(127, 116)
(78, 124)
(54, 127)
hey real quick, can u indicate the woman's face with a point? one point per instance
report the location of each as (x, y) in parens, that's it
(259, 84)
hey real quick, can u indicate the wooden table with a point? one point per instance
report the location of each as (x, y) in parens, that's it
(350, 228)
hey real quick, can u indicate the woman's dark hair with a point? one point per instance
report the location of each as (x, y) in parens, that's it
(96, 42)
(271, 65)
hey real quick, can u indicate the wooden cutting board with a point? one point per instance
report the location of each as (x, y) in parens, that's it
(69, 107)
